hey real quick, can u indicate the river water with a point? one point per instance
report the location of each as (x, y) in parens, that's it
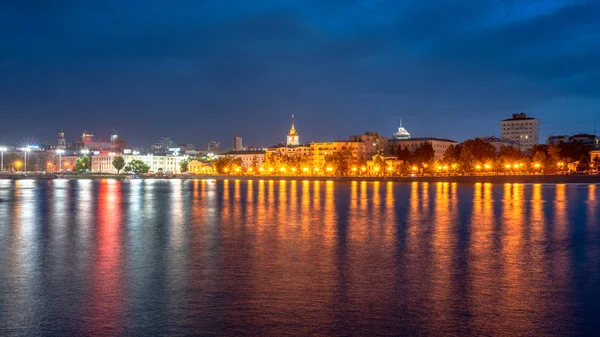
(276, 258)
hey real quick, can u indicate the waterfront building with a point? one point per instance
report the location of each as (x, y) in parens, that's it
(500, 142)
(382, 165)
(374, 143)
(439, 145)
(199, 167)
(318, 151)
(522, 129)
(237, 143)
(249, 158)
(102, 163)
(289, 150)
(401, 133)
(293, 138)
(581, 138)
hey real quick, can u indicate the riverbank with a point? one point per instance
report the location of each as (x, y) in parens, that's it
(516, 179)
(497, 179)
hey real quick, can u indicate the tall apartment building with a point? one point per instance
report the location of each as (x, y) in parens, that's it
(522, 129)
(319, 151)
(237, 143)
(374, 143)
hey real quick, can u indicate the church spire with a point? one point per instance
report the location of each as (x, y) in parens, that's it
(292, 137)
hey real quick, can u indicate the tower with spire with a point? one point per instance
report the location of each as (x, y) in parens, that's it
(293, 138)
(61, 144)
(402, 133)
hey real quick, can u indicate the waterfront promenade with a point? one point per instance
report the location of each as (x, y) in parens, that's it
(497, 179)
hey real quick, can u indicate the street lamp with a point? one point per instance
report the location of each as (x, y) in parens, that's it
(85, 152)
(60, 152)
(2, 150)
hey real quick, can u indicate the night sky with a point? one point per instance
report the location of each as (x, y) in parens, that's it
(198, 70)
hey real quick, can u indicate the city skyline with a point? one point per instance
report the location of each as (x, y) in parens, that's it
(204, 70)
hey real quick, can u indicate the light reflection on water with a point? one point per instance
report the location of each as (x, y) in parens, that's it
(270, 257)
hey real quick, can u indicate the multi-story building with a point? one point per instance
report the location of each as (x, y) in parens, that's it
(374, 143)
(500, 142)
(237, 143)
(102, 163)
(439, 145)
(214, 147)
(522, 129)
(249, 158)
(581, 138)
(319, 151)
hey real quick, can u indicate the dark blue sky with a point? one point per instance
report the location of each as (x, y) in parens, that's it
(199, 69)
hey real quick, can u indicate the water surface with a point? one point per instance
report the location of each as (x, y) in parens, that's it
(197, 257)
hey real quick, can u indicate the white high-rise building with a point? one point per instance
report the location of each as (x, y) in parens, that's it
(521, 129)
(237, 143)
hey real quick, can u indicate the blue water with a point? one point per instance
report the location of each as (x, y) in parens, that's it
(275, 258)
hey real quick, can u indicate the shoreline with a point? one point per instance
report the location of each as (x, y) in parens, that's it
(494, 179)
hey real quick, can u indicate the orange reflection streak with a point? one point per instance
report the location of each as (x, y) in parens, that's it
(592, 204)
(316, 206)
(225, 204)
(329, 229)
(293, 204)
(107, 283)
(484, 260)
(261, 208)
(443, 247)
(281, 210)
(390, 214)
(560, 262)
(250, 206)
(305, 207)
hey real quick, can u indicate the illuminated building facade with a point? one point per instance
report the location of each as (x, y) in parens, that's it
(167, 164)
(319, 151)
(522, 129)
(249, 158)
(439, 145)
(199, 167)
(374, 142)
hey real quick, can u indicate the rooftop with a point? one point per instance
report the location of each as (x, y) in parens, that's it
(423, 139)
(519, 117)
(244, 152)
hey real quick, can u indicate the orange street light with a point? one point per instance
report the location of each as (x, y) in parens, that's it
(376, 168)
(261, 169)
(478, 167)
(515, 166)
(329, 169)
(354, 169)
(363, 168)
(445, 167)
(305, 169)
(414, 168)
(282, 169)
(536, 165)
(439, 167)
(507, 166)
